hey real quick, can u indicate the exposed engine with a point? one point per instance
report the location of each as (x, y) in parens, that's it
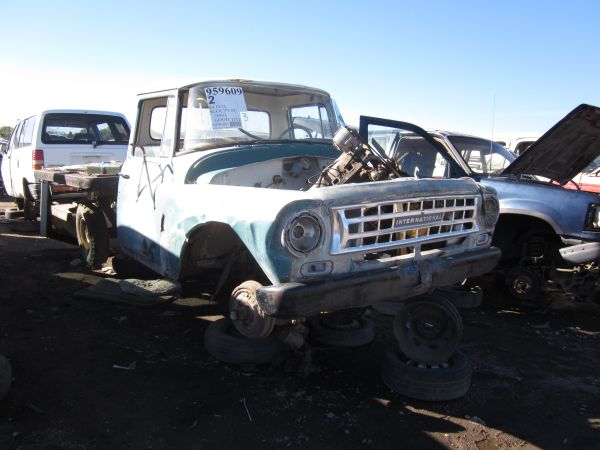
(359, 162)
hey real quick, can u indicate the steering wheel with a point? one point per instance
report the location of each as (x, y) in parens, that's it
(299, 127)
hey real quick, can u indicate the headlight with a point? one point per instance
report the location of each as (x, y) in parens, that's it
(304, 233)
(592, 221)
(491, 210)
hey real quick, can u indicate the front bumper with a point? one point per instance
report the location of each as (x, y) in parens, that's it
(294, 300)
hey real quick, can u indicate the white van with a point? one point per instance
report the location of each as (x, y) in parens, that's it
(60, 137)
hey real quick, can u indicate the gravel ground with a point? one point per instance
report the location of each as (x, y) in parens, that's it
(97, 374)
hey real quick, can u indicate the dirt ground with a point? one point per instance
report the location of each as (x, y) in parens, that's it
(93, 374)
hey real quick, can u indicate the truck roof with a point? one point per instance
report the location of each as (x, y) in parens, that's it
(240, 81)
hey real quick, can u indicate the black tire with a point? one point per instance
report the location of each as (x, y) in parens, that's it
(92, 235)
(356, 332)
(30, 206)
(448, 381)
(30, 210)
(227, 345)
(5, 376)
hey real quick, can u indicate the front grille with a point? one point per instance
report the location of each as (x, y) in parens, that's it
(403, 227)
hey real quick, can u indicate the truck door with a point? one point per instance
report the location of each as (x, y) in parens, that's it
(145, 171)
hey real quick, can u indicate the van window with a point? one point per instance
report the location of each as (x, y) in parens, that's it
(14, 137)
(26, 135)
(73, 128)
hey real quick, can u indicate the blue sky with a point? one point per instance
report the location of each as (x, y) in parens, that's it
(457, 65)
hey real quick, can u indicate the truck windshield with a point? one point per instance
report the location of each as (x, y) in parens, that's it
(224, 114)
(483, 156)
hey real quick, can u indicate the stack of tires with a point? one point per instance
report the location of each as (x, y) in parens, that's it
(427, 364)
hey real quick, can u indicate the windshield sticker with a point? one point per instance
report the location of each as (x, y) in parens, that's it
(226, 105)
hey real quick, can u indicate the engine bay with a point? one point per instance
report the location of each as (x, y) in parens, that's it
(297, 173)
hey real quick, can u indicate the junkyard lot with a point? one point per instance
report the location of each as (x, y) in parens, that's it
(98, 374)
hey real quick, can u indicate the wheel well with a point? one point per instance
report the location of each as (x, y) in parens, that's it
(512, 229)
(215, 247)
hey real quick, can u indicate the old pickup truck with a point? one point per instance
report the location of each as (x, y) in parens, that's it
(298, 215)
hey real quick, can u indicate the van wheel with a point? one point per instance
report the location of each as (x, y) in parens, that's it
(92, 235)
(30, 210)
(30, 206)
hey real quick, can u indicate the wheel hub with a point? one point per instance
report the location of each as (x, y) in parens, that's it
(245, 312)
(522, 285)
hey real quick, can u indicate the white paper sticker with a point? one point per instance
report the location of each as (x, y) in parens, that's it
(226, 104)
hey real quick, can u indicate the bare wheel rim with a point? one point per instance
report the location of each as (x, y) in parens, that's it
(427, 331)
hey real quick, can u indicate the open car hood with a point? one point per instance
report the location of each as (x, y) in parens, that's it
(564, 150)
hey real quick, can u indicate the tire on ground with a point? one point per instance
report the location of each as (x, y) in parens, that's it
(359, 331)
(92, 235)
(227, 345)
(5, 376)
(448, 381)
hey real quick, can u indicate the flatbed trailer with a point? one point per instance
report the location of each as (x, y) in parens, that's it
(82, 204)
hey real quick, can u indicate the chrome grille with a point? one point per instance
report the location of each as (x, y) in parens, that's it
(408, 224)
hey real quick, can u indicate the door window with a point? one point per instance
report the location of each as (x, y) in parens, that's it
(27, 133)
(14, 138)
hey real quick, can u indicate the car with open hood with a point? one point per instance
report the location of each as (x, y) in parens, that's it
(549, 235)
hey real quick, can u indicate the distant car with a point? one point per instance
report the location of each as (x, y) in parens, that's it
(3, 145)
(520, 145)
(517, 145)
(549, 235)
(59, 138)
(588, 179)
